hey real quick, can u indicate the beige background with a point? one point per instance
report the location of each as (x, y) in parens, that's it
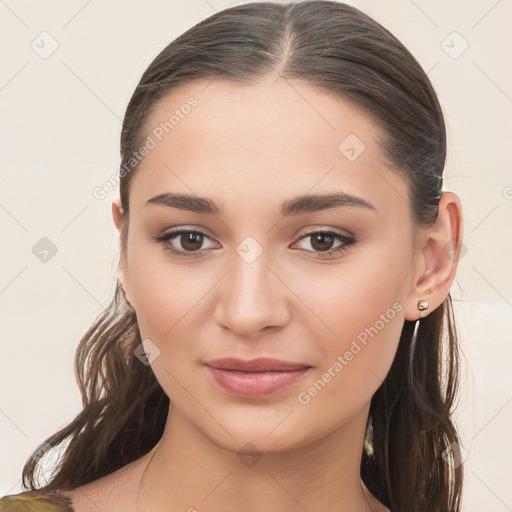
(60, 121)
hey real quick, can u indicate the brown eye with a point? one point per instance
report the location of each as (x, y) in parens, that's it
(187, 242)
(191, 241)
(321, 243)
(184, 242)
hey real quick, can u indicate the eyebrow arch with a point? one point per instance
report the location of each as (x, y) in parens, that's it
(294, 206)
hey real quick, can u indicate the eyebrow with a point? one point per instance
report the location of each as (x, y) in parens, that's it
(294, 206)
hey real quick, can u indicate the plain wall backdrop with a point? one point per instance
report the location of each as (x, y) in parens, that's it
(67, 72)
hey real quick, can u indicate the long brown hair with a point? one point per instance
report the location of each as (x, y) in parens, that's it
(409, 462)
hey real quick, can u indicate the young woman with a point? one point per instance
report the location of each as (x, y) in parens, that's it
(282, 336)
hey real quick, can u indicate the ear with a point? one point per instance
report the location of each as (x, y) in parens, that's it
(436, 258)
(119, 219)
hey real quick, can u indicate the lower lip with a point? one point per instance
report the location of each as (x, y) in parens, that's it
(256, 384)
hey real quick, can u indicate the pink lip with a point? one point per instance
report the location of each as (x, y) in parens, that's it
(256, 378)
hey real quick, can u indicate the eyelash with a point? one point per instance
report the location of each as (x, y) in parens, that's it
(347, 242)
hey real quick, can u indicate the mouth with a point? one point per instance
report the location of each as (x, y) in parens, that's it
(262, 364)
(257, 378)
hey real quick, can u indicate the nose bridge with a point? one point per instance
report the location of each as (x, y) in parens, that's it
(252, 296)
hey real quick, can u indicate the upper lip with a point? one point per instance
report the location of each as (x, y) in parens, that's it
(261, 364)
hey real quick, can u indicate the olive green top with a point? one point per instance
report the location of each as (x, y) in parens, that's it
(35, 501)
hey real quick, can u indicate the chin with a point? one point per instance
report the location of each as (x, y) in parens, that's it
(259, 436)
(259, 443)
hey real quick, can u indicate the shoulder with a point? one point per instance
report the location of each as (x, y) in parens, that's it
(36, 501)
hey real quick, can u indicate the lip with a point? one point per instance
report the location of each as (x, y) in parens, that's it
(261, 364)
(256, 378)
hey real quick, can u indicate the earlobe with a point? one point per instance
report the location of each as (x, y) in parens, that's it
(437, 258)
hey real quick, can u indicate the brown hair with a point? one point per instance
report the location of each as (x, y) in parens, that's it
(407, 463)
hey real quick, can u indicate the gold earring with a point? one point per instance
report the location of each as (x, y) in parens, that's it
(423, 305)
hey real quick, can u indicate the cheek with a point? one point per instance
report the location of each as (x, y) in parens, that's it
(355, 361)
(345, 299)
(361, 312)
(165, 293)
(167, 301)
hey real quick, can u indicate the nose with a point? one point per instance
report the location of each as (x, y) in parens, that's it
(253, 298)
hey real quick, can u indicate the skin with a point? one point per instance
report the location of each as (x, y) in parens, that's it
(250, 148)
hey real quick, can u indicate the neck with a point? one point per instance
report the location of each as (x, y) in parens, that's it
(189, 471)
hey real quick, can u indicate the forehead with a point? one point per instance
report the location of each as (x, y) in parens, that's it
(267, 142)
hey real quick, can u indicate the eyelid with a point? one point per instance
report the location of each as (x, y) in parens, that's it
(323, 229)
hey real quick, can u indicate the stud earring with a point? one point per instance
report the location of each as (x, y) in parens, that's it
(423, 305)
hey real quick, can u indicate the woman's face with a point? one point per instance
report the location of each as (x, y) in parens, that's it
(257, 283)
